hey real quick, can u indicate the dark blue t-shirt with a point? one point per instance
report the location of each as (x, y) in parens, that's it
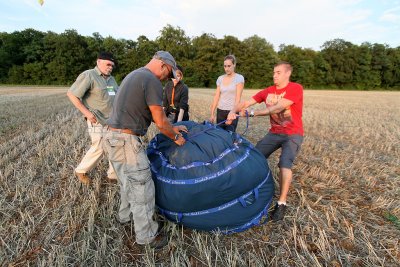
(139, 90)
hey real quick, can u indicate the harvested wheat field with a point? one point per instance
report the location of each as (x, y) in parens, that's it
(344, 201)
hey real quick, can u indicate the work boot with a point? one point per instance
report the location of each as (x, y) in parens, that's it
(161, 239)
(122, 222)
(83, 177)
(112, 180)
(161, 227)
(279, 212)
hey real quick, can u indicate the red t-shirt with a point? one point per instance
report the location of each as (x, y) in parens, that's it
(288, 121)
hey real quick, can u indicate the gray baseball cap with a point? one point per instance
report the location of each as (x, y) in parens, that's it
(167, 58)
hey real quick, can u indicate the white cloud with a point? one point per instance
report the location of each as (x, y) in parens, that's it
(168, 17)
(16, 19)
(96, 2)
(305, 23)
(391, 15)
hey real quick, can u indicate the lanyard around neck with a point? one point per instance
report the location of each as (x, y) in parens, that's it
(173, 96)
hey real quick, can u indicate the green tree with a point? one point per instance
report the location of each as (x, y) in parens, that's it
(34, 57)
(175, 41)
(28, 73)
(258, 59)
(380, 63)
(127, 61)
(230, 45)
(391, 74)
(16, 49)
(322, 72)
(302, 61)
(66, 57)
(95, 44)
(206, 62)
(33, 49)
(339, 54)
(119, 48)
(362, 78)
(136, 55)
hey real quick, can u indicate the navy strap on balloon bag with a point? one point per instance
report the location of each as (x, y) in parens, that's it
(211, 126)
(243, 200)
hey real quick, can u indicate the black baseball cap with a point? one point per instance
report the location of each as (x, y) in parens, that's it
(106, 56)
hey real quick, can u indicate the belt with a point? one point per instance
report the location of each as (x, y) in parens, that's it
(126, 131)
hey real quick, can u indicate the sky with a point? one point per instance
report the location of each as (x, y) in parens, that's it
(303, 23)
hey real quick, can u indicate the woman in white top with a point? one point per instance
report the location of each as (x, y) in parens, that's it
(228, 93)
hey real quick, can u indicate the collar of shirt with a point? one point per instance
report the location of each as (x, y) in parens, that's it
(101, 74)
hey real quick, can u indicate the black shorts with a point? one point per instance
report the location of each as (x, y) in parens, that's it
(223, 115)
(290, 145)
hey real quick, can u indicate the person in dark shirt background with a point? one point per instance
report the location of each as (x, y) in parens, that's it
(176, 98)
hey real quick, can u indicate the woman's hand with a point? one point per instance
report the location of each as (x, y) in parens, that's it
(231, 117)
(212, 119)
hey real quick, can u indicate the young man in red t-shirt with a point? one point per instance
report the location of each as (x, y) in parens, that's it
(284, 105)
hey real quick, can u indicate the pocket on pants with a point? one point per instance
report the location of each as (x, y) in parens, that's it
(138, 157)
(115, 149)
(142, 192)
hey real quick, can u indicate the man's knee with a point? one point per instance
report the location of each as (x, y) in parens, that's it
(285, 164)
(266, 147)
(290, 149)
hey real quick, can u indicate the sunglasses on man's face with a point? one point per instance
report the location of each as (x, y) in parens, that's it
(170, 72)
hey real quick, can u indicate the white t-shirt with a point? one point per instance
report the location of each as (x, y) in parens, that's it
(228, 92)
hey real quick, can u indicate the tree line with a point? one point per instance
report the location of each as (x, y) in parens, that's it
(47, 58)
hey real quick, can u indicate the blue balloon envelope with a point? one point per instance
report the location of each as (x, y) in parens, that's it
(217, 181)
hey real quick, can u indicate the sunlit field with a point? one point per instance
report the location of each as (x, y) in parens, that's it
(344, 203)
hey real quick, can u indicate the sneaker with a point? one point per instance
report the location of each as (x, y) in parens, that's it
(279, 212)
(83, 178)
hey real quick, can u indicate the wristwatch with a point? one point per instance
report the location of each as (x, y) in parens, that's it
(177, 136)
(251, 113)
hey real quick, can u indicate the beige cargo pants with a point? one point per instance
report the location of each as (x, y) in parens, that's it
(128, 157)
(95, 152)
